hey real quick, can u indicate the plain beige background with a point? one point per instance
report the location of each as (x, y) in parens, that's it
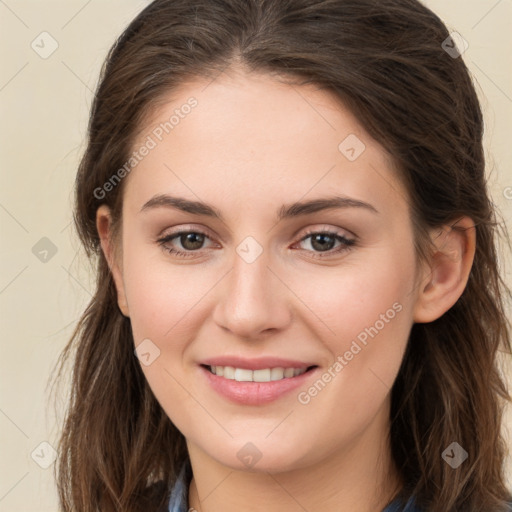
(44, 110)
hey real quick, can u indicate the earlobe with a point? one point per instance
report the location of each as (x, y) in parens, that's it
(104, 228)
(444, 281)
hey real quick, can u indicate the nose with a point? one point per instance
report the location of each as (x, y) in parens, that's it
(253, 301)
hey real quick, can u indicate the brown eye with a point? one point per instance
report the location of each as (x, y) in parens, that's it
(322, 242)
(325, 242)
(191, 241)
(187, 242)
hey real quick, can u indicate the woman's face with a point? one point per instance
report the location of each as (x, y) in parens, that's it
(271, 278)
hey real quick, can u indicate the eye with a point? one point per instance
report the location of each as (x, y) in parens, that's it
(324, 242)
(190, 241)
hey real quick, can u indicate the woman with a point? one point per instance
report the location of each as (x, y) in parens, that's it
(298, 303)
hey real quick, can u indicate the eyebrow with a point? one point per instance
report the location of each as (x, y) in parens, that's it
(285, 212)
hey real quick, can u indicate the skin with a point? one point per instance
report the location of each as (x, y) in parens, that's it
(251, 145)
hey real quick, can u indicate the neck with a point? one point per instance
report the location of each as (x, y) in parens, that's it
(360, 477)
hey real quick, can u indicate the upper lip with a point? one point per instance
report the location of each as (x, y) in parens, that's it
(256, 363)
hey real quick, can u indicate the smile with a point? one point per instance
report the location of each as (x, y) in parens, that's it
(262, 375)
(255, 387)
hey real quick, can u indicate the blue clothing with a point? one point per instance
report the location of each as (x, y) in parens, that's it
(178, 501)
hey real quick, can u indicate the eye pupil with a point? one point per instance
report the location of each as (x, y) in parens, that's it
(192, 241)
(321, 239)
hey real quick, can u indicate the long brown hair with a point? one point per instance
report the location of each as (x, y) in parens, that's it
(385, 60)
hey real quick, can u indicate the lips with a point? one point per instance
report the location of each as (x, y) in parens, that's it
(252, 392)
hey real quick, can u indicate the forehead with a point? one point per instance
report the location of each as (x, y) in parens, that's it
(252, 139)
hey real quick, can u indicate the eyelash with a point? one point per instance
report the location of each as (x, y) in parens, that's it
(347, 243)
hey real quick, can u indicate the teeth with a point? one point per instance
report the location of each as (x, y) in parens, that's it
(264, 375)
(243, 375)
(289, 372)
(229, 372)
(277, 373)
(261, 375)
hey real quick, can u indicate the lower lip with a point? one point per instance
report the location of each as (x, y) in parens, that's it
(255, 393)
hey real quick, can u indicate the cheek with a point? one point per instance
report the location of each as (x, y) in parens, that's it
(160, 295)
(353, 297)
(366, 316)
(164, 301)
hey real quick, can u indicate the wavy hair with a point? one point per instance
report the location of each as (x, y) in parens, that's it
(385, 61)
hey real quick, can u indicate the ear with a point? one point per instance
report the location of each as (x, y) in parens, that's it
(104, 227)
(443, 282)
